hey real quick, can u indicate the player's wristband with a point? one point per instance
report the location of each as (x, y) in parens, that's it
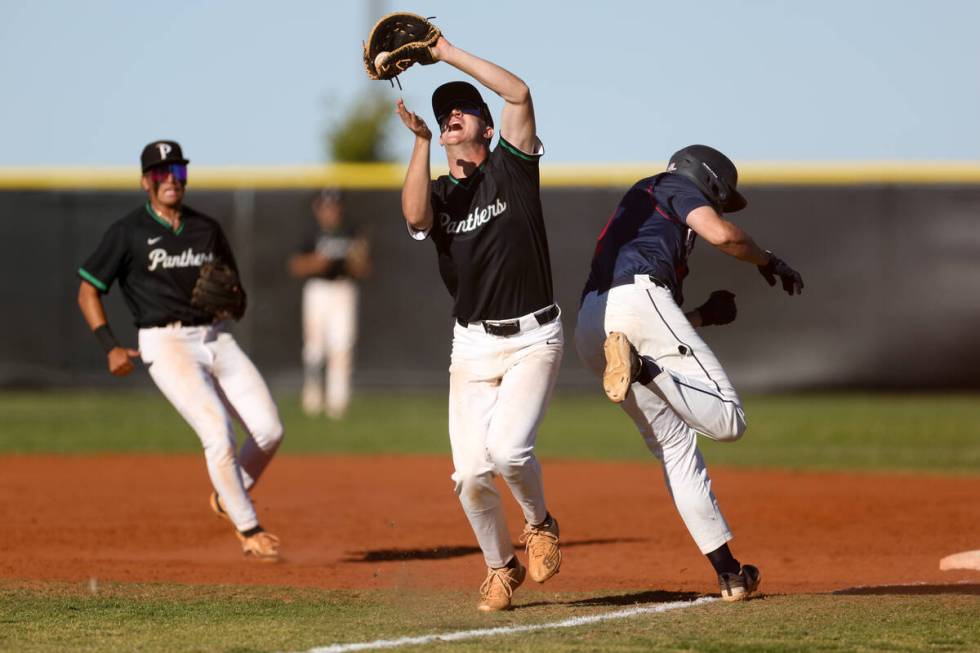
(104, 335)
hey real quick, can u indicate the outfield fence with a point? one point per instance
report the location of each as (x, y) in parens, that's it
(890, 255)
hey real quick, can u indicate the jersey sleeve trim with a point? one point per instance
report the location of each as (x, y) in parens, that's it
(85, 274)
(538, 150)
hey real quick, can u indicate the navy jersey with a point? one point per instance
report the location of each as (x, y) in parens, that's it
(490, 238)
(648, 234)
(156, 266)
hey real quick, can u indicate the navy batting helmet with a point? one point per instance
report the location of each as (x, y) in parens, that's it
(713, 172)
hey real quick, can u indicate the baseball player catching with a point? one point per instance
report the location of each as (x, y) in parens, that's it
(179, 279)
(632, 332)
(485, 220)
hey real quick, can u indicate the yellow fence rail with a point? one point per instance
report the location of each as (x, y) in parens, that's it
(390, 175)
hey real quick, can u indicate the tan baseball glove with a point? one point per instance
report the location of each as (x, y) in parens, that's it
(396, 42)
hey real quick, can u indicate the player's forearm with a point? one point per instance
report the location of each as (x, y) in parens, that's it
(416, 205)
(305, 265)
(739, 244)
(694, 317)
(90, 304)
(499, 80)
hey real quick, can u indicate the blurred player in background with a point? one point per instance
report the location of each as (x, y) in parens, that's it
(156, 252)
(333, 258)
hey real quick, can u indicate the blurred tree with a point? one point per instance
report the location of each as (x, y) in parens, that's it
(359, 134)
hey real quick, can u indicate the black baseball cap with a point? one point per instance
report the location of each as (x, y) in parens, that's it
(161, 152)
(450, 94)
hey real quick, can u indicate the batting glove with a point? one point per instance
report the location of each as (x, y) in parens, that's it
(719, 309)
(777, 267)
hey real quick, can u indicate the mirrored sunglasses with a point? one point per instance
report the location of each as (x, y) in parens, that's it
(159, 174)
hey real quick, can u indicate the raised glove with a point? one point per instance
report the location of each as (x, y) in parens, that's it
(396, 42)
(719, 309)
(777, 267)
(219, 292)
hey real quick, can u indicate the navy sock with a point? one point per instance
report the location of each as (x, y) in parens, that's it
(648, 370)
(252, 531)
(723, 561)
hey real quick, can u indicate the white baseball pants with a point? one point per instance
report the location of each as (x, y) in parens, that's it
(203, 372)
(691, 394)
(499, 388)
(329, 333)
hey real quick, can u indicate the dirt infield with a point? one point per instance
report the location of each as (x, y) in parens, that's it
(365, 522)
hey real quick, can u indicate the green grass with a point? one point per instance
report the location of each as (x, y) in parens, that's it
(939, 433)
(170, 618)
(930, 433)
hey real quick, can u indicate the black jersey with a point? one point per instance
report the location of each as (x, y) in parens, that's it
(490, 239)
(333, 245)
(156, 266)
(648, 234)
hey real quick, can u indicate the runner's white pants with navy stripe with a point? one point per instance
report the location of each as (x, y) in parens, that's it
(691, 394)
(499, 388)
(203, 372)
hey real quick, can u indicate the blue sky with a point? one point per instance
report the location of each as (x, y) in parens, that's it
(256, 83)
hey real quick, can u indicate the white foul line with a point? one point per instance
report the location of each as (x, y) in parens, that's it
(509, 630)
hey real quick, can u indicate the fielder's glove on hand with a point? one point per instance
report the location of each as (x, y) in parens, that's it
(396, 42)
(777, 267)
(719, 309)
(219, 292)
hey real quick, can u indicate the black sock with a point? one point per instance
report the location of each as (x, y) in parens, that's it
(547, 520)
(723, 561)
(252, 531)
(512, 563)
(648, 370)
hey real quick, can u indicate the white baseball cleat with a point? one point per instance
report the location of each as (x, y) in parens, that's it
(740, 586)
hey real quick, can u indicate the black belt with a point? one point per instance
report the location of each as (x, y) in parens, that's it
(625, 281)
(202, 321)
(513, 327)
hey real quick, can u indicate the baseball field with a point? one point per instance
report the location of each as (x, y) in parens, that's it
(845, 502)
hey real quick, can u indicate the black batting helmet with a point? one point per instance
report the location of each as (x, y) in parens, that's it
(713, 172)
